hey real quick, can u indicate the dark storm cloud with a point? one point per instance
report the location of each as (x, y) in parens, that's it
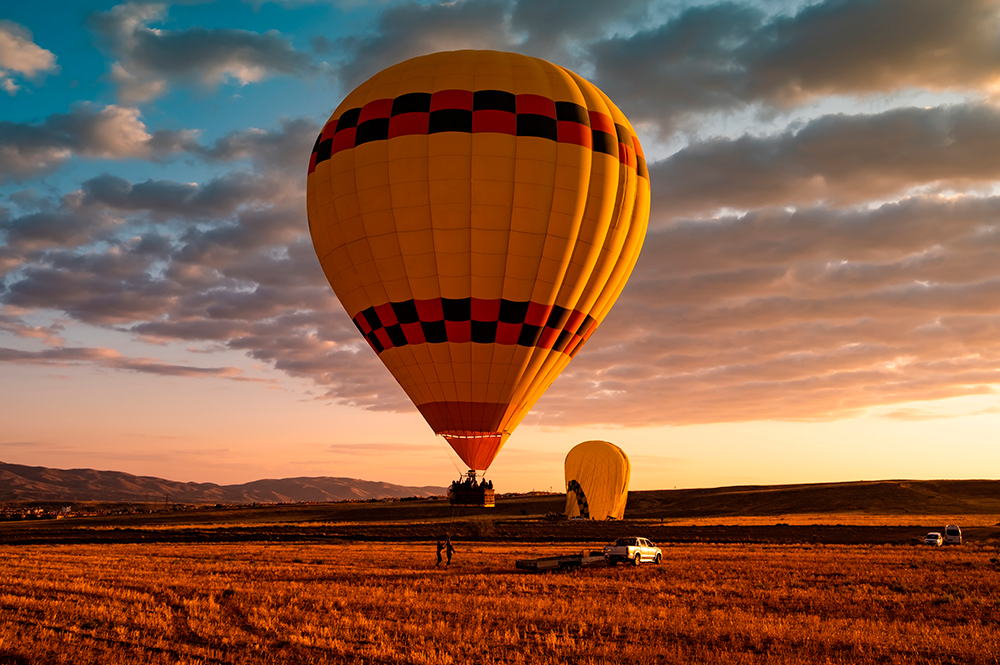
(114, 132)
(149, 58)
(728, 56)
(839, 159)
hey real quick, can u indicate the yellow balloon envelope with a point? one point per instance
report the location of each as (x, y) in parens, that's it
(597, 475)
(477, 213)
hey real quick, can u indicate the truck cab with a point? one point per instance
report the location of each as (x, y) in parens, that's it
(633, 550)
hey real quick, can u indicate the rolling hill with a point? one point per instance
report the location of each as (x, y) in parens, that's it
(897, 497)
(19, 483)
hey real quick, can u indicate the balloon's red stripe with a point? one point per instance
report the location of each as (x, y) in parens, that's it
(478, 320)
(465, 111)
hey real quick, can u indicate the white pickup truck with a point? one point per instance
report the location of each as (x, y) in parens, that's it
(634, 550)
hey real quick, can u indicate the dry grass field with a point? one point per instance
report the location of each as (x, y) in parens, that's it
(387, 603)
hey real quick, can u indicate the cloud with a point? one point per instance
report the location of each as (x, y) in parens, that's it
(20, 55)
(409, 29)
(380, 449)
(860, 47)
(114, 132)
(163, 199)
(810, 315)
(685, 65)
(51, 335)
(552, 27)
(62, 227)
(835, 265)
(150, 58)
(837, 159)
(286, 148)
(730, 56)
(112, 359)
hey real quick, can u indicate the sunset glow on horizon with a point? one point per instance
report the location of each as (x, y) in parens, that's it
(817, 298)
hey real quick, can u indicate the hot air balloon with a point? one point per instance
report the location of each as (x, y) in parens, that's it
(477, 213)
(597, 475)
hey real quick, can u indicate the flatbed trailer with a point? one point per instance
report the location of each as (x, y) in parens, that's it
(562, 562)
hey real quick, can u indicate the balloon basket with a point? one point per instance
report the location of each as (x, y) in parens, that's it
(472, 497)
(468, 492)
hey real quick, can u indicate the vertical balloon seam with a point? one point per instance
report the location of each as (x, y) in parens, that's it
(536, 353)
(640, 218)
(339, 222)
(555, 359)
(628, 262)
(461, 353)
(420, 370)
(523, 401)
(481, 426)
(548, 366)
(427, 372)
(509, 394)
(489, 418)
(506, 395)
(474, 424)
(354, 175)
(501, 423)
(593, 289)
(401, 372)
(494, 420)
(456, 350)
(540, 377)
(553, 369)
(503, 375)
(364, 221)
(462, 450)
(416, 392)
(438, 276)
(610, 288)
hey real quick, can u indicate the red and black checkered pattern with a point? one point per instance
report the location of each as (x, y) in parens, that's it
(473, 112)
(463, 320)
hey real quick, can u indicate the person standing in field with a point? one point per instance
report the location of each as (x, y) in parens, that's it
(451, 550)
(439, 550)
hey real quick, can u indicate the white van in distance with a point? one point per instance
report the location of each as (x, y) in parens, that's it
(952, 535)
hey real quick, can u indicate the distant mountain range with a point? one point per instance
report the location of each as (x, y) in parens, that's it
(37, 483)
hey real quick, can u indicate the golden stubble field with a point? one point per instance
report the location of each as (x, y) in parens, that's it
(387, 603)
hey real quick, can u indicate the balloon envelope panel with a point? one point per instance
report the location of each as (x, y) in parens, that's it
(597, 476)
(477, 213)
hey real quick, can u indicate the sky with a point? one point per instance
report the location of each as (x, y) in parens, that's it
(817, 299)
